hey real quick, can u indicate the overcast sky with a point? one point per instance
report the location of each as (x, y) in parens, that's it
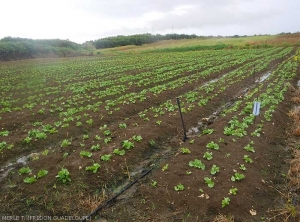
(83, 20)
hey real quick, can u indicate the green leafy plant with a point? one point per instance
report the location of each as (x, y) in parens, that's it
(137, 138)
(247, 159)
(197, 164)
(154, 183)
(103, 127)
(93, 168)
(152, 143)
(25, 140)
(221, 140)
(3, 144)
(237, 176)
(249, 148)
(64, 175)
(165, 167)
(25, 170)
(106, 133)
(85, 136)
(225, 202)
(65, 143)
(233, 191)
(30, 180)
(58, 123)
(119, 152)
(65, 125)
(97, 137)
(4, 133)
(242, 167)
(40, 135)
(210, 183)
(213, 145)
(208, 131)
(65, 155)
(107, 140)
(127, 144)
(90, 121)
(214, 169)
(185, 150)
(202, 102)
(122, 125)
(179, 187)
(227, 155)
(158, 122)
(85, 154)
(208, 155)
(192, 141)
(42, 173)
(105, 157)
(95, 147)
(41, 111)
(45, 152)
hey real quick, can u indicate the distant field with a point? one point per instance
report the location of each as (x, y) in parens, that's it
(188, 42)
(251, 41)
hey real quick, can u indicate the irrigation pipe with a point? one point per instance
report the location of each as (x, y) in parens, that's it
(118, 194)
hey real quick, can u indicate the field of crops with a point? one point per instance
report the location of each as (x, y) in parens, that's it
(74, 132)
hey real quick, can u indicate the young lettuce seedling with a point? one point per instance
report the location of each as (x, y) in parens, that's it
(179, 187)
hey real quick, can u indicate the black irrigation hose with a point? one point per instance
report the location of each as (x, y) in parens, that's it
(118, 194)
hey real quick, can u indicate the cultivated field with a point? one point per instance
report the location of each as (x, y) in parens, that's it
(75, 131)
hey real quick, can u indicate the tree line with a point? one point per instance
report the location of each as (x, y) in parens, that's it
(140, 39)
(22, 48)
